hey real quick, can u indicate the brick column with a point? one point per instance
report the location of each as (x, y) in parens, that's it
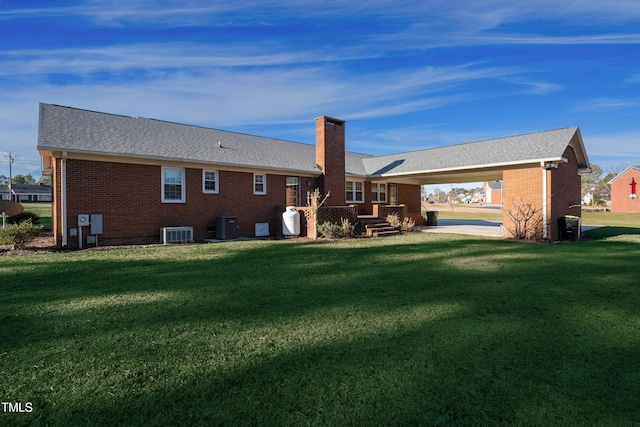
(330, 157)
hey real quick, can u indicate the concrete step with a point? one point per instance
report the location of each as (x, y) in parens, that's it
(385, 233)
(372, 231)
(377, 225)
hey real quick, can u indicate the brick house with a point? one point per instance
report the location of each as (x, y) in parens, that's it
(622, 197)
(141, 175)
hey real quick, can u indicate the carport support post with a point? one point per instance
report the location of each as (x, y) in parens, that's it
(545, 215)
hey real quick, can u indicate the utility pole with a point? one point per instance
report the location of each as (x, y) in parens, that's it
(10, 178)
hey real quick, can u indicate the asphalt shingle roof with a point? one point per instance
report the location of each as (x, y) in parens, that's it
(27, 189)
(71, 129)
(75, 130)
(537, 146)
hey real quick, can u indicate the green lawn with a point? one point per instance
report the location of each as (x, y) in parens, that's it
(615, 219)
(417, 329)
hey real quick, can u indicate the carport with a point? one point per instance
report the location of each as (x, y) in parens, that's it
(540, 171)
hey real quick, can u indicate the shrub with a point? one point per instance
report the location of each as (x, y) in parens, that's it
(346, 228)
(407, 224)
(24, 216)
(18, 235)
(332, 230)
(394, 220)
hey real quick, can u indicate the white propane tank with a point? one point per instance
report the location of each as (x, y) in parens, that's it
(291, 222)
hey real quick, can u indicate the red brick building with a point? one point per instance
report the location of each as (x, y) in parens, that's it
(492, 192)
(130, 177)
(623, 199)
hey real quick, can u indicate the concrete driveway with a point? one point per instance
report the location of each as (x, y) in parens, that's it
(475, 227)
(465, 226)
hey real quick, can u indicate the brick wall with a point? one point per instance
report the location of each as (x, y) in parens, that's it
(130, 199)
(526, 184)
(565, 192)
(621, 189)
(519, 186)
(409, 195)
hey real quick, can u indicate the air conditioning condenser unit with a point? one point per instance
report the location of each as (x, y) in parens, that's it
(176, 234)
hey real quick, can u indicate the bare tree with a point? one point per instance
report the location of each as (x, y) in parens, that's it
(314, 202)
(525, 221)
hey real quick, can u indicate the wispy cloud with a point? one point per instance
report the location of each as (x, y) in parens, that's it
(614, 146)
(486, 14)
(150, 56)
(604, 104)
(536, 87)
(236, 96)
(246, 63)
(633, 78)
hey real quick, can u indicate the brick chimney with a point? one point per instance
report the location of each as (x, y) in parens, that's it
(330, 157)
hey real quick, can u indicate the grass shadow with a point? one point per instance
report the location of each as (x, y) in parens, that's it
(608, 232)
(413, 330)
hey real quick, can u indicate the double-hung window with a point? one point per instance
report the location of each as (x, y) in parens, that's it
(293, 191)
(354, 191)
(378, 192)
(210, 183)
(173, 190)
(259, 183)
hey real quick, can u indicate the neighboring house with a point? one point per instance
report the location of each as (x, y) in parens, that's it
(623, 197)
(27, 193)
(141, 175)
(493, 192)
(587, 199)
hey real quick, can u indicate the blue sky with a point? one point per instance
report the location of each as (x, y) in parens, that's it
(404, 75)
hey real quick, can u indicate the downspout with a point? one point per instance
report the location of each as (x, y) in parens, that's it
(544, 201)
(63, 197)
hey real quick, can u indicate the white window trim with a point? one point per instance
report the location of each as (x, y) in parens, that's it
(264, 184)
(354, 192)
(182, 186)
(377, 185)
(217, 180)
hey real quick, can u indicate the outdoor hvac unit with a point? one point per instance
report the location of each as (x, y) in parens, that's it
(226, 227)
(176, 234)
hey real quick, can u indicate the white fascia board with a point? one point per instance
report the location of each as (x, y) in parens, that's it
(469, 168)
(183, 162)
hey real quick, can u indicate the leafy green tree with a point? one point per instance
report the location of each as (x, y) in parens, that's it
(45, 180)
(23, 179)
